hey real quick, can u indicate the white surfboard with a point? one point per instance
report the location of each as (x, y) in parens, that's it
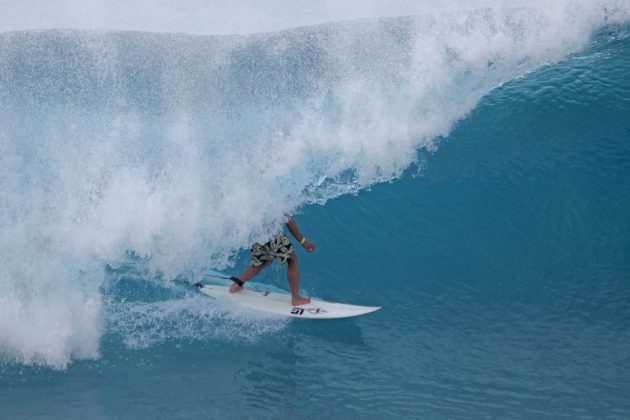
(280, 304)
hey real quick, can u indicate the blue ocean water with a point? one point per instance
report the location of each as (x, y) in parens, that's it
(466, 170)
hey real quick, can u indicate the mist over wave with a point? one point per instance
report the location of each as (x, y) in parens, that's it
(214, 17)
(185, 148)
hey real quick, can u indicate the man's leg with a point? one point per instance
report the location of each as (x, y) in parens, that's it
(293, 273)
(249, 274)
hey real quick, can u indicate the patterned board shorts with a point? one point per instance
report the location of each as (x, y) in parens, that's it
(279, 247)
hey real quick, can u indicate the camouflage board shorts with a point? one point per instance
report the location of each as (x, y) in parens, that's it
(279, 247)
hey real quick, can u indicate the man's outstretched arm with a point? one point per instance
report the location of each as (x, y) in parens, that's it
(295, 231)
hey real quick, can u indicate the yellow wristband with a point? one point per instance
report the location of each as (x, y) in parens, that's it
(303, 240)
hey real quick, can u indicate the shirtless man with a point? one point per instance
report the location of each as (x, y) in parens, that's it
(279, 247)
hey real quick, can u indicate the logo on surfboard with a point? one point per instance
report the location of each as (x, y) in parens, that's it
(314, 311)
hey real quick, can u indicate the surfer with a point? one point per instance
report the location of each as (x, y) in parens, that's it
(281, 248)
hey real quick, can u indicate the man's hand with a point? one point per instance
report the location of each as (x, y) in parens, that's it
(309, 246)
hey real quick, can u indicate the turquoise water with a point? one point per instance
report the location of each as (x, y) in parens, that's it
(477, 189)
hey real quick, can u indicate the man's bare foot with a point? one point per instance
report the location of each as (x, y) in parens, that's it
(299, 300)
(235, 288)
